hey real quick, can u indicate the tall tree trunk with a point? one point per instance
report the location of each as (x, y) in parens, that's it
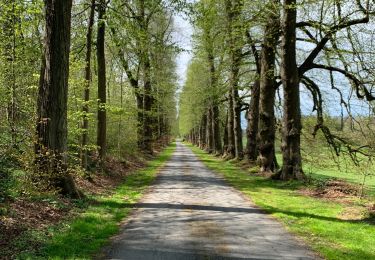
(237, 124)
(291, 130)
(102, 97)
(120, 119)
(86, 95)
(266, 134)
(51, 130)
(215, 112)
(9, 52)
(216, 129)
(209, 135)
(233, 9)
(252, 124)
(146, 67)
(230, 152)
(140, 118)
(225, 137)
(147, 105)
(203, 132)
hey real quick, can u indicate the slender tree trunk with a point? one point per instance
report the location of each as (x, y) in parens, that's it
(266, 134)
(291, 131)
(237, 124)
(226, 137)
(140, 118)
(120, 120)
(86, 95)
(9, 52)
(102, 97)
(51, 130)
(252, 124)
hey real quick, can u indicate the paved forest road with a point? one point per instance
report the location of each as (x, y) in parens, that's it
(191, 213)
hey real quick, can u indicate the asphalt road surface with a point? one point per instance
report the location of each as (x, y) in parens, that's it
(191, 213)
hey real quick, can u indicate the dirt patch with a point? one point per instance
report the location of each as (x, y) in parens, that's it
(116, 171)
(353, 213)
(333, 189)
(346, 194)
(371, 213)
(27, 215)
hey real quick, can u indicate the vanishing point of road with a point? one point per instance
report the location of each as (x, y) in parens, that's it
(192, 213)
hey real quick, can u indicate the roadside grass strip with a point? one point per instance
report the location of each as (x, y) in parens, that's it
(317, 221)
(84, 235)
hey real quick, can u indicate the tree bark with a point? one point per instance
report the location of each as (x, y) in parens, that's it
(215, 112)
(51, 129)
(291, 130)
(209, 135)
(102, 94)
(225, 137)
(203, 132)
(216, 129)
(233, 9)
(147, 87)
(266, 134)
(147, 106)
(237, 124)
(86, 95)
(251, 153)
(230, 152)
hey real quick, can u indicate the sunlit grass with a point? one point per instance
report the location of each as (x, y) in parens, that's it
(87, 233)
(317, 221)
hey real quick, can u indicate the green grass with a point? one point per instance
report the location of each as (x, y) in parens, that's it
(317, 221)
(325, 168)
(87, 233)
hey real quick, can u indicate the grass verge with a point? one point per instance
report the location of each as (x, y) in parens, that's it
(324, 225)
(87, 233)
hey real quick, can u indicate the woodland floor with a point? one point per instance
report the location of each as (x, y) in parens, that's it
(21, 218)
(192, 213)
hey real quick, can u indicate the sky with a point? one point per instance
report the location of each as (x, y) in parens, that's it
(183, 37)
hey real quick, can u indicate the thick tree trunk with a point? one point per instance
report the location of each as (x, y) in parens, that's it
(291, 131)
(101, 140)
(209, 135)
(51, 130)
(233, 9)
(203, 132)
(252, 124)
(230, 152)
(147, 105)
(266, 134)
(196, 136)
(147, 87)
(86, 95)
(216, 129)
(215, 112)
